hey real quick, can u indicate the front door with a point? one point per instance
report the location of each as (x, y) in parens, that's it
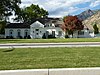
(53, 33)
(26, 34)
(36, 33)
(18, 34)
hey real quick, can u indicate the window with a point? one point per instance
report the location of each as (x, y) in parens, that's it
(90, 32)
(60, 33)
(53, 33)
(18, 34)
(18, 31)
(26, 33)
(80, 32)
(10, 32)
(37, 29)
(47, 33)
(36, 33)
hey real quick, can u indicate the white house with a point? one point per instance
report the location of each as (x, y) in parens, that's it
(17, 30)
(44, 28)
(35, 30)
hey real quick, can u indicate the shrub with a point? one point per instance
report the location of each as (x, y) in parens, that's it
(28, 37)
(44, 37)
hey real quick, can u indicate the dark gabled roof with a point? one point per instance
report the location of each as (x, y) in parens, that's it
(56, 21)
(17, 25)
(46, 20)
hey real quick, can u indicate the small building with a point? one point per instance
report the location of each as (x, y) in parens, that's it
(17, 30)
(87, 32)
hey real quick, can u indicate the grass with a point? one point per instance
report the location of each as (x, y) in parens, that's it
(34, 58)
(49, 40)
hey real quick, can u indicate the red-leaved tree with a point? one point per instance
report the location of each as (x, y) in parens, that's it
(72, 23)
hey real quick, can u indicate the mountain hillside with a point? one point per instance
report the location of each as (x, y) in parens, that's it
(93, 19)
(86, 14)
(95, 11)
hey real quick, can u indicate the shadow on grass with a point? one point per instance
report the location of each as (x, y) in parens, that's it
(9, 50)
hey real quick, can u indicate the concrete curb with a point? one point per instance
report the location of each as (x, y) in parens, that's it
(63, 71)
(11, 47)
(47, 43)
(75, 71)
(25, 72)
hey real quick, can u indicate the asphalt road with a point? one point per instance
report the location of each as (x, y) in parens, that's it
(44, 45)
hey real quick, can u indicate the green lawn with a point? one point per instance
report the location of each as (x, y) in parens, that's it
(34, 58)
(49, 40)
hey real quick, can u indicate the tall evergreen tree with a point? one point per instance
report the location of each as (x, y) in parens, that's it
(96, 29)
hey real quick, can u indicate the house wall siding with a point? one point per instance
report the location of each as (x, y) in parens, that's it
(43, 30)
(15, 32)
(87, 34)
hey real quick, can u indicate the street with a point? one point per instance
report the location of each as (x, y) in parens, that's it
(45, 45)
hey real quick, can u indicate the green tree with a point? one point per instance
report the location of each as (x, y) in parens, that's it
(96, 29)
(7, 7)
(2, 27)
(33, 11)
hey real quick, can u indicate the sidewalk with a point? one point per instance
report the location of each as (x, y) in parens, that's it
(61, 71)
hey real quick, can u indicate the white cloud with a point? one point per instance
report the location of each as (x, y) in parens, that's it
(26, 3)
(95, 3)
(59, 7)
(64, 12)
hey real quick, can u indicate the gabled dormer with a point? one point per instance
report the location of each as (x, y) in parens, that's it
(37, 24)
